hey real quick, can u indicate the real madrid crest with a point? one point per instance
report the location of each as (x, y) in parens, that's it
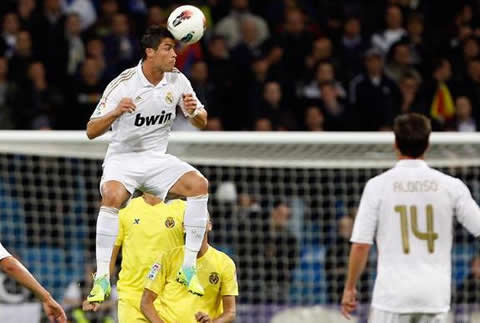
(169, 222)
(213, 279)
(169, 98)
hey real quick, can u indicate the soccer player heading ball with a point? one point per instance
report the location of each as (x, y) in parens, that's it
(139, 106)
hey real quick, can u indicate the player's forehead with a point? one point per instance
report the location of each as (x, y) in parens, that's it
(167, 41)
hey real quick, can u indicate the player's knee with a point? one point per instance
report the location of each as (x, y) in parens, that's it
(113, 199)
(201, 186)
(197, 185)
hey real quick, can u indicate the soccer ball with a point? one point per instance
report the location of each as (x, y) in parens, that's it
(187, 24)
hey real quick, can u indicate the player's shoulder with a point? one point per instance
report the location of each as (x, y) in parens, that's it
(176, 76)
(222, 258)
(125, 76)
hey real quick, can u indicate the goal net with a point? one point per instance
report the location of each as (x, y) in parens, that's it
(282, 206)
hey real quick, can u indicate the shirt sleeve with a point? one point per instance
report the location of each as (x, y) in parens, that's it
(110, 99)
(467, 210)
(157, 276)
(187, 89)
(229, 285)
(367, 216)
(3, 252)
(121, 227)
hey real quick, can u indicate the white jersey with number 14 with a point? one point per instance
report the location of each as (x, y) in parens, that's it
(409, 211)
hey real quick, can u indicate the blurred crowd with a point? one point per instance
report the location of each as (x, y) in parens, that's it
(310, 65)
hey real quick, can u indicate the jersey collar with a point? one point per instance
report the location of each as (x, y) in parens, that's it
(143, 79)
(411, 163)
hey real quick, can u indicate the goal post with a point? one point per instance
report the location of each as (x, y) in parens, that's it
(49, 201)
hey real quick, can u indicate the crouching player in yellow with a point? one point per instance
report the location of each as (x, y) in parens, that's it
(165, 300)
(147, 228)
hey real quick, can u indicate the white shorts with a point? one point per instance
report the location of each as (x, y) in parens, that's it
(379, 316)
(149, 171)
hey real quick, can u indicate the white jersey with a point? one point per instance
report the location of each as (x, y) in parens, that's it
(409, 211)
(149, 126)
(3, 252)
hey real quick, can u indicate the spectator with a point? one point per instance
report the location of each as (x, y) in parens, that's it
(48, 32)
(96, 50)
(10, 29)
(314, 118)
(22, 57)
(334, 106)
(464, 121)
(230, 26)
(8, 92)
(322, 50)
(415, 38)
(336, 263)
(393, 31)
(273, 108)
(263, 124)
(296, 41)
(399, 62)
(373, 96)
(471, 85)
(156, 16)
(25, 10)
(411, 101)
(470, 50)
(268, 254)
(248, 48)
(75, 47)
(121, 48)
(352, 45)
(103, 26)
(324, 73)
(36, 106)
(85, 93)
(439, 92)
(205, 93)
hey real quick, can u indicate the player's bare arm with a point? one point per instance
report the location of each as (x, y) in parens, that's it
(98, 126)
(356, 265)
(13, 268)
(228, 315)
(198, 115)
(147, 307)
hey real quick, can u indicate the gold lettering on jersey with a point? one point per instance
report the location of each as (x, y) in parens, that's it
(169, 98)
(415, 186)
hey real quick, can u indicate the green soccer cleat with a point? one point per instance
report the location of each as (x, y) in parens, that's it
(100, 291)
(189, 278)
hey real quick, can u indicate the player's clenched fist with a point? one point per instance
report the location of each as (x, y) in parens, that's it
(125, 105)
(189, 103)
(203, 318)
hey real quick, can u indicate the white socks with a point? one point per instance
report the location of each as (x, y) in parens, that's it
(195, 225)
(107, 231)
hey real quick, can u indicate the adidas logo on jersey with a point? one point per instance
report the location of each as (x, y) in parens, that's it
(152, 120)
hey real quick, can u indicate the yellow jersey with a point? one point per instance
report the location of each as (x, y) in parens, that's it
(145, 231)
(217, 275)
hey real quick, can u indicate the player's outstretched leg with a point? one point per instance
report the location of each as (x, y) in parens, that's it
(195, 187)
(114, 195)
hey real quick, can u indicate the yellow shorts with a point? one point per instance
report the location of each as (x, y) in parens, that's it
(129, 312)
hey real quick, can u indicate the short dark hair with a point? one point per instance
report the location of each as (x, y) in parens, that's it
(153, 36)
(412, 133)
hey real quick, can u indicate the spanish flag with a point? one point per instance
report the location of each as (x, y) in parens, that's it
(443, 108)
